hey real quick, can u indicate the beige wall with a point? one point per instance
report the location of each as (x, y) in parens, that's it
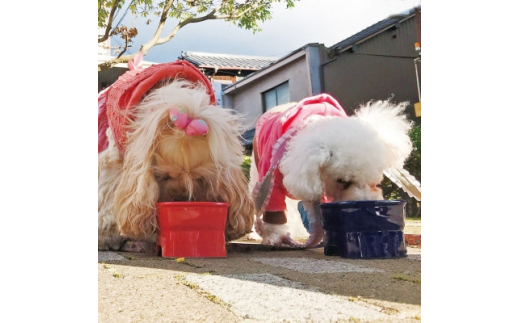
(247, 99)
(380, 68)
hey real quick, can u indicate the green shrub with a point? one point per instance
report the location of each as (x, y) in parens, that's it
(412, 165)
(246, 166)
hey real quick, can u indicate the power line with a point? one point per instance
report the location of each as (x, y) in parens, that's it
(117, 25)
(124, 14)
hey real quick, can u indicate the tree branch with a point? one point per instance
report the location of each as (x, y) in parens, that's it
(237, 13)
(144, 48)
(110, 20)
(209, 16)
(160, 27)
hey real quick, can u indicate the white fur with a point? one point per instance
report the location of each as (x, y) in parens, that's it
(294, 223)
(356, 149)
(274, 233)
(162, 164)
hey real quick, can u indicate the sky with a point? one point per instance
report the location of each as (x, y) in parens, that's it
(309, 21)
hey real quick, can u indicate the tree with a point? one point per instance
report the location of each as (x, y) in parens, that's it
(243, 13)
(413, 165)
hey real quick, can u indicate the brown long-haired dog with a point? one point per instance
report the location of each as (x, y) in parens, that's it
(167, 159)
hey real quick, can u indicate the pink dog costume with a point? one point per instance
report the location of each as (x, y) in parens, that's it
(115, 102)
(274, 130)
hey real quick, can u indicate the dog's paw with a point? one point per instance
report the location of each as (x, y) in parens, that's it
(146, 246)
(253, 236)
(284, 240)
(111, 242)
(277, 235)
(316, 236)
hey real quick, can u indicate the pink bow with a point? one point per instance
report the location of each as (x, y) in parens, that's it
(193, 127)
(137, 63)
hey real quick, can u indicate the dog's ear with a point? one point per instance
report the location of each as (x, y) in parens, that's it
(391, 123)
(302, 170)
(136, 195)
(234, 191)
(135, 199)
(227, 154)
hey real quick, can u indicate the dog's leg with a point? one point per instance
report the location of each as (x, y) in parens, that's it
(315, 226)
(274, 229)
(110, 241)
(253, 179)
(109, 172)
(272, 226)
(108, 234)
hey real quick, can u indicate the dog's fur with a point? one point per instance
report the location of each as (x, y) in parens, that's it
(341, 158)
(163, 164)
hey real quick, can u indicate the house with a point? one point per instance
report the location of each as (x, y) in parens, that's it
(377, 63)
(293, 77)
(221, 69)
(225, 68)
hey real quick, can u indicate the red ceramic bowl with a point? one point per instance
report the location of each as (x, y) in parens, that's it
(191, 229)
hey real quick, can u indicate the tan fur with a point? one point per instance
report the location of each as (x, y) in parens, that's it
(162, 164)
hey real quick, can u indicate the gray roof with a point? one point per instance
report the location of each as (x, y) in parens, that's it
(227, 61)
(373, 30)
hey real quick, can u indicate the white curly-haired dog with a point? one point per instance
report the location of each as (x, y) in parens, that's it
(313, 152)
(175, 145)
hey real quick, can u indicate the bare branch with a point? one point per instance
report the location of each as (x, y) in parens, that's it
(124, 49)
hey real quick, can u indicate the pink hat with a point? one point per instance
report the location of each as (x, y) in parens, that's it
(129, 89)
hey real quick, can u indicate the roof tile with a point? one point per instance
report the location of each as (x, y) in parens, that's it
(226, 61)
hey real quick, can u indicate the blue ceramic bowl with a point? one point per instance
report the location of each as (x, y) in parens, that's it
(364, 229)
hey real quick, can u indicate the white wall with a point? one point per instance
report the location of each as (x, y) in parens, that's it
(247, 99)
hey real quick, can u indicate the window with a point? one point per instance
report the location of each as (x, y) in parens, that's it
(276, 96)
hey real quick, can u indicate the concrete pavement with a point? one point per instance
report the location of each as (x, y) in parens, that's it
(256, 283)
